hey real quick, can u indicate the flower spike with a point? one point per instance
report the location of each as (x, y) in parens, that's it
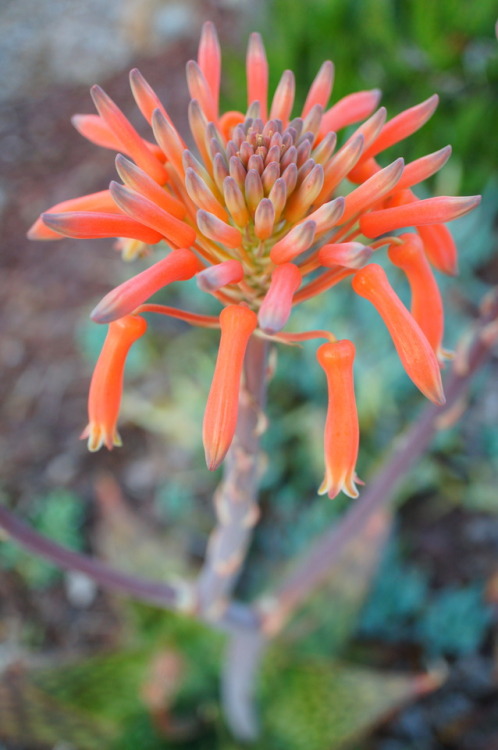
(259, 208)
(106, 388)
(180, 265)
(426, 306)
(412, 346)
(341, 426)
(220, 418)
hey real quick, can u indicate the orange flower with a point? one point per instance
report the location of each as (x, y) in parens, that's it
(342, 433)
(258, 216)
(107, 382)
(220, 418)
(124, 299)
(427, 306)
(413, 349)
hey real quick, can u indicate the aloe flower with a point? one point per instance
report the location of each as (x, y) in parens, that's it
(273, 208)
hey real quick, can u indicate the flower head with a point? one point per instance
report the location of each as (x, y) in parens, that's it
(258, 215)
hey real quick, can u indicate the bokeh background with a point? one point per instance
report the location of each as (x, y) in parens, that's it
(81, 668)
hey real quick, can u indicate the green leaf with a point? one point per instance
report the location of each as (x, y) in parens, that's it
(324, 705)
(331, 616)
(29, 716)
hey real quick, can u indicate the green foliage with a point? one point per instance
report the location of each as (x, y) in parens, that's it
(450, 621)
(323, 705)
(455, 621)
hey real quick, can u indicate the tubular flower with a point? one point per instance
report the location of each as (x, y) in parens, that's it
(342, 433)
(257, 214)
(220, 418)
(107, 382)
(426, 306)
(412, 346)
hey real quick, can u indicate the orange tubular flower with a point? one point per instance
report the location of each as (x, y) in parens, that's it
(107, 383)
(427, 306)
(342, 433)
(413, 349)
(220, 418)
(259, 215)
(179, 266)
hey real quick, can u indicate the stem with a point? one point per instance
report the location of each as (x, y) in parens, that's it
(242, 659)
(313, 568)
(236, 497)
(178, 597)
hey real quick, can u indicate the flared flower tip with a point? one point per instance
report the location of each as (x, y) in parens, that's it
(220, 418)
(98, 435)
(341, 440)
(106, 388)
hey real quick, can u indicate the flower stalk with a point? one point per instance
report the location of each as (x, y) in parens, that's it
(236, 497)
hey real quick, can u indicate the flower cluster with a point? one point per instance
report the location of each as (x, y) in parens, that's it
(257, 217)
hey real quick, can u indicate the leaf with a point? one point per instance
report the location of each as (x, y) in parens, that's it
(332, 614)
(324, 705)
(30, 716)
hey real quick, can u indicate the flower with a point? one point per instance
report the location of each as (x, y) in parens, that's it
(257, 215)
(107, 382)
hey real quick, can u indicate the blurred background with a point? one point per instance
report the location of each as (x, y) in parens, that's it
(81, 668)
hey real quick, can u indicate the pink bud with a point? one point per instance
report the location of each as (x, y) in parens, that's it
(217, 230)
(294, 243)
(346, 254)
(213, 278)
(277, 304)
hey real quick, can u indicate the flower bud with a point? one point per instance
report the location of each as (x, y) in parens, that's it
(277, 304)
(180, 265)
